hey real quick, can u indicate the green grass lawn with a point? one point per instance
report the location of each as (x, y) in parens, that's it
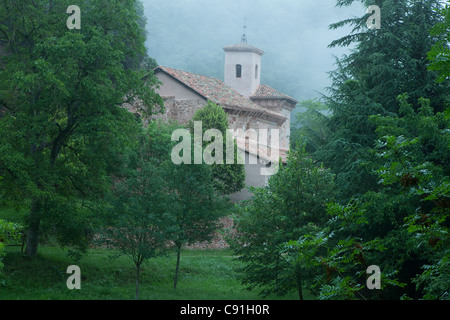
(204, 275)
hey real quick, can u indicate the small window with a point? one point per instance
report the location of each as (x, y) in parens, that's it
(256, 72)
(238, 71)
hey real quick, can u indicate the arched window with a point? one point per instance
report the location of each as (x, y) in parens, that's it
(256, 72)
(238, 71)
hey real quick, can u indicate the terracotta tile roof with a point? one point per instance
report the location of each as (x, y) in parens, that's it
(265, 92)
(260, 152)
(217, 92)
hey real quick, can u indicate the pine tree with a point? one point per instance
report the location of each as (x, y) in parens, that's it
(384, 64)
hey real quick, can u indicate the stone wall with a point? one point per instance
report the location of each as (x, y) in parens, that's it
(180, 110)
(283, 107)
(246, 123)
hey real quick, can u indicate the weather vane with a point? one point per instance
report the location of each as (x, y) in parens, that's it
(244, 37)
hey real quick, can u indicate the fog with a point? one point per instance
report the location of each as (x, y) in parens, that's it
(294, 34)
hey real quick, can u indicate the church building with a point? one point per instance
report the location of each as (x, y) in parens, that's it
(250, 105)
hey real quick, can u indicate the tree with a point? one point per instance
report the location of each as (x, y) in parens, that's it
(136, 221)
(415, 149)
(390, 153)
(403, 227)
(439, 55)
(63, 127)
(384, 64)
(310, 126)
(291, 206)
(228, 178)
(194, 205)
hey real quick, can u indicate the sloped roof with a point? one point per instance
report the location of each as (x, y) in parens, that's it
(265, 92)
(217, 92)
(260, 151)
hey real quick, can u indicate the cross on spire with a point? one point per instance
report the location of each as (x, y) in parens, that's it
(244, 37)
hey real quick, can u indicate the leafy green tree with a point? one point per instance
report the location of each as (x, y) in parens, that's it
(291, 206)
(136, 220)
(63, 127)
(228, 178)
(193, 205)
(390, 153)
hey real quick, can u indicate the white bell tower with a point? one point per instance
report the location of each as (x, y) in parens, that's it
(243, 67)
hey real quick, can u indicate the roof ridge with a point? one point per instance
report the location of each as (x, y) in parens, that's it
(281, 95)
(189, 72)
(217, 91)
(243, 47)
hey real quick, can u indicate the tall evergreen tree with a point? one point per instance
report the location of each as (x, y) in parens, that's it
(440, 52)
(383, 64)
(399, 221)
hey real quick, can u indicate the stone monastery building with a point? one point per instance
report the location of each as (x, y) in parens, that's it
(248, 103)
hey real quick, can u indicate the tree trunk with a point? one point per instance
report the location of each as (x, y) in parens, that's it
(300, 290)
(138, 271)
(175, 279)
(299, 283)
(33, 230)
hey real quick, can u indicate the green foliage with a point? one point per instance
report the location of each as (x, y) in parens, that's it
(9, 233)
(403, 227)
(439, 55)
(136, 221)
(417, 160)
(228, 178)
(156, 202)
(192, 204)
(389, 151)
(206, 274)
(292, 206)
(62, 124)
(384, 64)
(212, 116)
(310, 125)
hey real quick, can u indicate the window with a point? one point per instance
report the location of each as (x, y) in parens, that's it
(238, 71)
(256, 72)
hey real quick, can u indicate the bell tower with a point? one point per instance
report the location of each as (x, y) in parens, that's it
(243, 67)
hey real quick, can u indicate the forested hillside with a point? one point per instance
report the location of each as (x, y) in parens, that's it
(190, 35)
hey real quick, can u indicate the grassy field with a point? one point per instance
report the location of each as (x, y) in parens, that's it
(204, 275)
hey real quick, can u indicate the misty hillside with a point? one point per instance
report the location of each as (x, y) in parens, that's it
(189, 35)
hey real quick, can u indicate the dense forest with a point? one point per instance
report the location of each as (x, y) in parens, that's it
(367, 181)
(364, 195)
